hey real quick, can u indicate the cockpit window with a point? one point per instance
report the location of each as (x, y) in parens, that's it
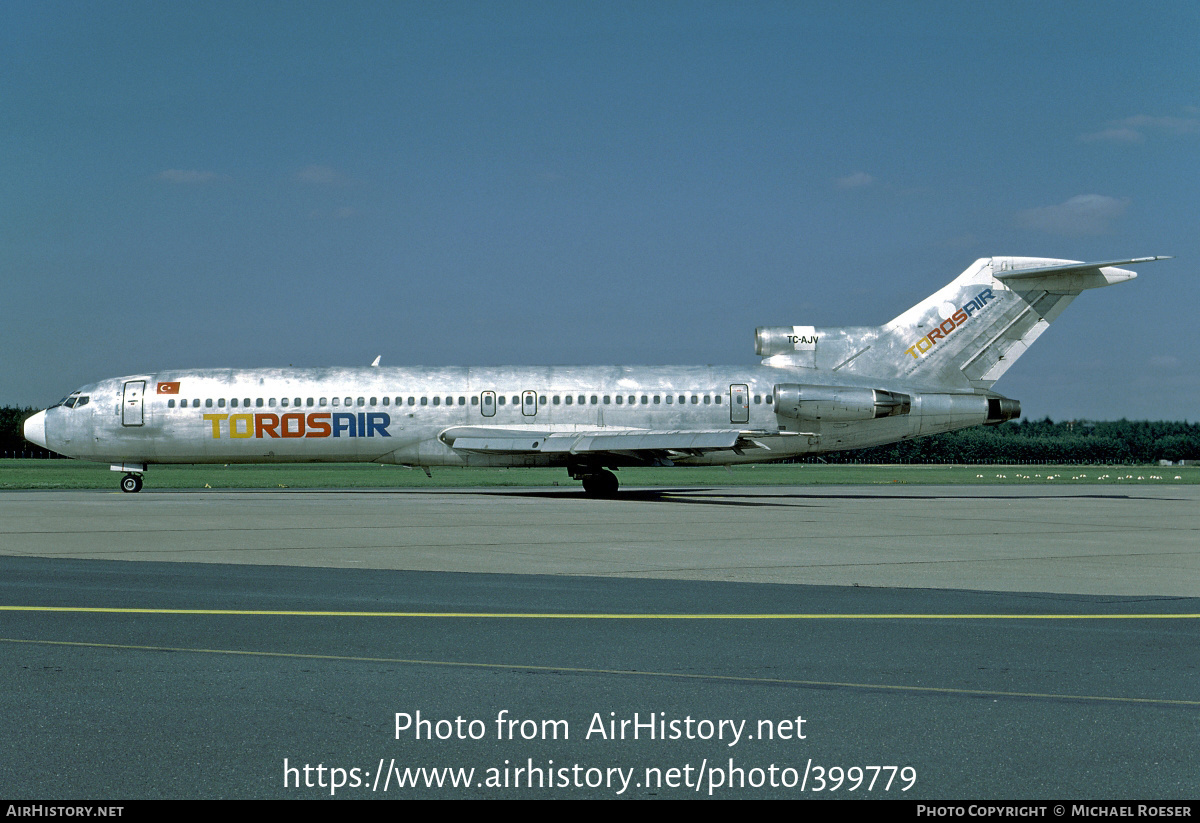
(82, 401)
(68, 401)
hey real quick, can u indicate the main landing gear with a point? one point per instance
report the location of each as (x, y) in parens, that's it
(131, 483)
(601, 483)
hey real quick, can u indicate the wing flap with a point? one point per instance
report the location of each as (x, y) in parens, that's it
(593, 441)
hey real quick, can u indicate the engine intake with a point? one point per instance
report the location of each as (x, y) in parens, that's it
(838, 403)
(772, 340)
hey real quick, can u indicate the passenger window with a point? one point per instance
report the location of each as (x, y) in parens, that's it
(758, 399)
(170, 404)
(437, 401)
(386, 400)
(221, 402)
(361, 402)
(769, 399)
(321, 401)
(607, 399)
(558, 400)
(593, 399)
(620, 400)
(670, 399)
(656, 399)
(335, 401)
(695, 399)
(474, 400)
(208, 402)
(501, 400)
(424, 401)
(412, 401)
(271, 402)
(233, 402)
(258, 402)
(373, 401)
(462, 401)
(707, 400)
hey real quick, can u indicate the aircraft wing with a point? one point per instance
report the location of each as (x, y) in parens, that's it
(647, 443)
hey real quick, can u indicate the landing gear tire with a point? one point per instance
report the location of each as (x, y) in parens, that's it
(602, 484)
(131, 483)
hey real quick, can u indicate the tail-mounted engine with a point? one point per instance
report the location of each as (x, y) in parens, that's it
(1001, 409)
(838, 403)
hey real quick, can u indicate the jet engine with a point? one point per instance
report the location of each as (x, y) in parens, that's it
(838, 403)
(1001, 409)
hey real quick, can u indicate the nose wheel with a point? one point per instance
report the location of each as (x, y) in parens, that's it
(131, 483)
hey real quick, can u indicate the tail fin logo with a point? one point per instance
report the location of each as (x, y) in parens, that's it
(951, 324)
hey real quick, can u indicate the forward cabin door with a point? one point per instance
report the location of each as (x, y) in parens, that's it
(131, 404)
(739, 403)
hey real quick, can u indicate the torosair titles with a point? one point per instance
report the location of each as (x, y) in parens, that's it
(950, 323)
(297, 424)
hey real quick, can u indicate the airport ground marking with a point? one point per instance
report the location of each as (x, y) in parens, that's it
(592, 616)
(774, 681)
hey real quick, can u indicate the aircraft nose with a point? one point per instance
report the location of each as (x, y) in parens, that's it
(35, 429)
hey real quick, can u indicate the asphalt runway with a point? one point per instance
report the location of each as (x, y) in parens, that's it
(1113, 540)
(979, 643)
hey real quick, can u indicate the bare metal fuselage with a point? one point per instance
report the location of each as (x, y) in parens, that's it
(929, 370)
(326, 414)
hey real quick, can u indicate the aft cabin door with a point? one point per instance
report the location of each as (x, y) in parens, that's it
(131, 404)
(739, 403)
(529, 403)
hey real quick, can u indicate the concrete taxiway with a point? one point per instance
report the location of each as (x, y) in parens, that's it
(997, 642)
(1107, 540)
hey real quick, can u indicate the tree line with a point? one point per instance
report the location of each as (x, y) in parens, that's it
(1043, 441)
(1024, 441)
(12, 441)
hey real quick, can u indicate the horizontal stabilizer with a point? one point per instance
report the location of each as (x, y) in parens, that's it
(1069, 268)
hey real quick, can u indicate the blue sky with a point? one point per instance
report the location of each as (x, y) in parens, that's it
(221, 184)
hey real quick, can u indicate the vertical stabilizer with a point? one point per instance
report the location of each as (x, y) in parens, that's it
(969, 332)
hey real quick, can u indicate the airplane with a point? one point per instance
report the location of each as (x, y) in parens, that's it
(816, 390)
